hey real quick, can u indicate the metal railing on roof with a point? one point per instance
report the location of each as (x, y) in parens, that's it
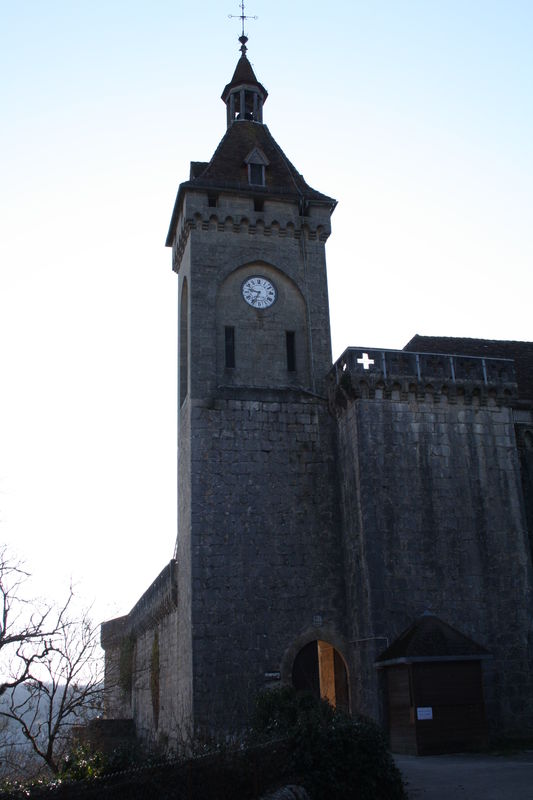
(428, 367)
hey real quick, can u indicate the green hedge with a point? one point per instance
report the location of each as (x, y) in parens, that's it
(333, 755)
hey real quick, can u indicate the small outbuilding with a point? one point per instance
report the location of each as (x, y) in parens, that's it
(434, 685)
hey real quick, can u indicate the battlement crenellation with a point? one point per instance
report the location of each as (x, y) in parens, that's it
(362, 373)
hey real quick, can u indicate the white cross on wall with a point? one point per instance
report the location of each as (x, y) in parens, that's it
(365, 361)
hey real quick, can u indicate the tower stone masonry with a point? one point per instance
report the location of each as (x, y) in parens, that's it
(360, 530)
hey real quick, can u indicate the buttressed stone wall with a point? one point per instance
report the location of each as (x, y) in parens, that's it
(434, 521)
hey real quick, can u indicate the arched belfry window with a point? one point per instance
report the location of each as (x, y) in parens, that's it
(184, 343)
(256, 162)
(245, 104)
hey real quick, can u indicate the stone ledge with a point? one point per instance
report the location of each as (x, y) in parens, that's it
(159, 600)
(523, 417)
(227, 396)
(243, 224)
(113, 630)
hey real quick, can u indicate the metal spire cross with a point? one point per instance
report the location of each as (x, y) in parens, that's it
(242, 16)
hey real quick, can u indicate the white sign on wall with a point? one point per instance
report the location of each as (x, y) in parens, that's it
(424, 712)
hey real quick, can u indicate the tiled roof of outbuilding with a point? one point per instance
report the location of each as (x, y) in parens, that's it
(431, 638)
(521, 352)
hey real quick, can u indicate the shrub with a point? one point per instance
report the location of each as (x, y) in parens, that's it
(82, 764)
(333, 755)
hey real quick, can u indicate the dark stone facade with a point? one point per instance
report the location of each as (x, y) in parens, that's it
(266, 549)
(319, 504)
(433, 520)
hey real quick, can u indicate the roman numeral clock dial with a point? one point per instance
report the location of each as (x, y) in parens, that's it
(259, 292)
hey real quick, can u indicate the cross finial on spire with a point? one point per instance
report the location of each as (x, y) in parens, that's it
(242, 16)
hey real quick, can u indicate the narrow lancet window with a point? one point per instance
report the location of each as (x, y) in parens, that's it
(229, 342)
(256, 174)
(291, 350)
(256, 162)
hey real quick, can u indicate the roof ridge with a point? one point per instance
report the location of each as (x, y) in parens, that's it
(469, 338)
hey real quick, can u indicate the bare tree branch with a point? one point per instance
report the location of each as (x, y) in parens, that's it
(64, 687)
(23, 622)
(51, 669)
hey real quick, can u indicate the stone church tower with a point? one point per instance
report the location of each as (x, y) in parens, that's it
(257, 542)
(362, 530)
(258, 570)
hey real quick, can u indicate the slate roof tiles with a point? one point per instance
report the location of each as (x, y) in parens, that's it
(431, 638)
(227, 166)
(243, 74)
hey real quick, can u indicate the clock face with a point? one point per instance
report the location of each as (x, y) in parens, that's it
(259, 292)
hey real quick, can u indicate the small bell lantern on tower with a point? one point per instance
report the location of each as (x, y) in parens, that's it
(244, 95)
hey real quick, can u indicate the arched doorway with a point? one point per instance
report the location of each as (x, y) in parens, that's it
(319, 668)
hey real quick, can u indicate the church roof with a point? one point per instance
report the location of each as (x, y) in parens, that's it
(429, 638)
(521, 352)
(197, 167)
(228, 162)
(243, 74)
(228, 171)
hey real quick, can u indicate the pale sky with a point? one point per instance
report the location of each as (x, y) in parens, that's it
(416, 115)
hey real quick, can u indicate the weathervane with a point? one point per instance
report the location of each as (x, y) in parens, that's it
(242, 16)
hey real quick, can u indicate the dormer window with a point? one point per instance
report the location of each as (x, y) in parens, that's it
(256, 174)
(256, 162)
